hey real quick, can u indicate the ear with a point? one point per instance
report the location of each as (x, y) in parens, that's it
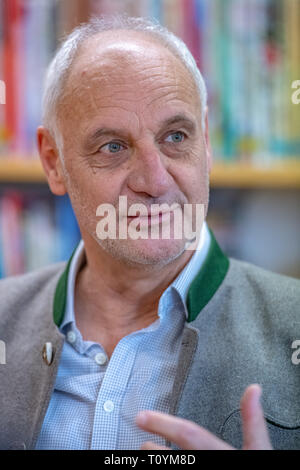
(52, 165)
(207, 142)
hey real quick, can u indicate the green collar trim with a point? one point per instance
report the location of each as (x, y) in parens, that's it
(60, 296)
(201, 290)
(208, 279)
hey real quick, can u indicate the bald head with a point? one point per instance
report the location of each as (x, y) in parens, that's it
(109, 32)
(122, 67)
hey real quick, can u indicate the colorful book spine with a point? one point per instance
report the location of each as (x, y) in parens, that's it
(34, 231)
(248, 51)
(11, 233)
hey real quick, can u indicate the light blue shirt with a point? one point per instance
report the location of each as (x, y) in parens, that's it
(95, 400)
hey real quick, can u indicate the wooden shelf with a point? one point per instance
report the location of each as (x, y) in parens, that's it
(242, 175)
(21, 171)
(229, 175)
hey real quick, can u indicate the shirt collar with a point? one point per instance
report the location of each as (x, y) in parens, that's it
(184, 279)
(77, 260)
(181, 284)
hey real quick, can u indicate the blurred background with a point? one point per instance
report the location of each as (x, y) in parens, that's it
(249, 54)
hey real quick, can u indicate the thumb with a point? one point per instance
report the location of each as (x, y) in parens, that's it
(255, 431)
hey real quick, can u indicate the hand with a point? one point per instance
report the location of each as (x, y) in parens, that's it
(188, 435)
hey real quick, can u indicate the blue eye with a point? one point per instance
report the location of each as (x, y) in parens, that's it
(177, 137)
(113, 147)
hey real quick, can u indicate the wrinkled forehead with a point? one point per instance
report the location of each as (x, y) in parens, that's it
(129, 59)
(127, 77)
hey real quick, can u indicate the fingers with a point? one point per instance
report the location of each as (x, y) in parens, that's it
(149, 445)
(255, 431)
(185, 434)
(188, 435)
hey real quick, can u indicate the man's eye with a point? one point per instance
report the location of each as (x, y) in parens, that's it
(176, 137)
(111, 147)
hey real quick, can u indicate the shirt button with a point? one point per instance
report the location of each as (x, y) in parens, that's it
(109, 406)
(100, 358)
(71, 336)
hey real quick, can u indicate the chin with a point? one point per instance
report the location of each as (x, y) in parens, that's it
(145, 252)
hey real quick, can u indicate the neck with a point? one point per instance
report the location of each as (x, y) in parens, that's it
(132, 293)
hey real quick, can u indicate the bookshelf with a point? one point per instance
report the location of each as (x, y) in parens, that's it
(230, 175)
(242, 175)
(21, 171)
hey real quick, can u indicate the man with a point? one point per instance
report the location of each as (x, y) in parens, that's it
(130, 325)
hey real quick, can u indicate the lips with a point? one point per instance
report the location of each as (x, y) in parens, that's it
(155, 218)
(150, 214)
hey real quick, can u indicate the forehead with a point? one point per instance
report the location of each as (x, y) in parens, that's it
(127, 70)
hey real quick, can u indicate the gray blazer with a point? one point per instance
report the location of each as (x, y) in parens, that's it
(242, 323)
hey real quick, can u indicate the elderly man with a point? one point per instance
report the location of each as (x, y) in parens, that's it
(142, 342)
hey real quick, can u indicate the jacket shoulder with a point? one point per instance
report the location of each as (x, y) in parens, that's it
(265, 282)
(31, 278)
(21, 290)
(260, 293)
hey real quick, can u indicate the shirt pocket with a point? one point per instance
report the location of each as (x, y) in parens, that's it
(283, 436)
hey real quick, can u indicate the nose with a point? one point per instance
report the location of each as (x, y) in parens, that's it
(149, 172)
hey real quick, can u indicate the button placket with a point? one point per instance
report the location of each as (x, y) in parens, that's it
(109, 400)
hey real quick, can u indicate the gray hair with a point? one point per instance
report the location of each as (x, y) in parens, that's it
(60, 65)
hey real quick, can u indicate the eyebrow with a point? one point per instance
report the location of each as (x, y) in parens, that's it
(189, 123)
(178, 118)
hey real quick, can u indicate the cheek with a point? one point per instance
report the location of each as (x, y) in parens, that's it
(88, 189)
(193, 180)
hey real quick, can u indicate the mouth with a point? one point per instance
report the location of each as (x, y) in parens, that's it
(152, 219)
